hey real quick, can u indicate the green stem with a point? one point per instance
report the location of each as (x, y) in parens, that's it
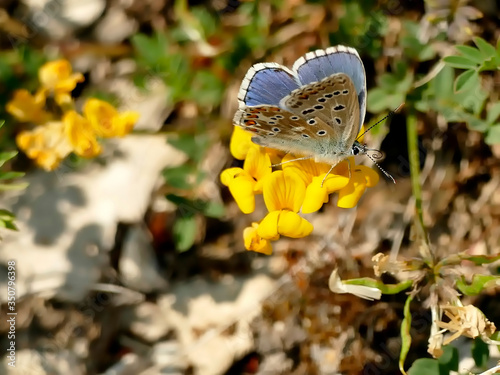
(415, 182)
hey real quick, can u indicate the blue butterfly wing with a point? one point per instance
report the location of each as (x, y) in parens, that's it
(315, 66)
(266, 84)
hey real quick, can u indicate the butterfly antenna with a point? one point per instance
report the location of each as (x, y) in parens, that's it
(390, 114)
(379, 167)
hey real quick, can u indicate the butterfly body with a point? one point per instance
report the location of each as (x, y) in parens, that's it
(316, 109)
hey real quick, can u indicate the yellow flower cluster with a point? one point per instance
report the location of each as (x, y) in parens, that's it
(296, 187)
(55, 136)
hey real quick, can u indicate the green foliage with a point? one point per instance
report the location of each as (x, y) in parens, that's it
(480, 352)
(405, 334)
(186, 227)
(184, 179)
(391, 90)
(442, 366)
(6, 217)
(468, 89)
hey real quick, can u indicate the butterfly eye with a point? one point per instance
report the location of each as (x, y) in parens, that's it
(321, 133)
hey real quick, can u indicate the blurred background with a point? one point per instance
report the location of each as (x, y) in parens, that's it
(133, 262)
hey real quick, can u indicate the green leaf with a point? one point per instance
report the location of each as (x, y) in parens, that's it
(151, 50)
(448, 360)
(466, 80)
(487, 50)
(493, 135)
(194, 146)
(460, 62)
(18, 186)
(190, 207)
(493, 113)
(179, 177)
(214, 210)
(207, 89)
(184, 231)
(384, 288)
(480, 352)
(5, 156)
(425, 366)
(7, 220)
(405, 335)
(478, 260)
(478, 284)
(10, 175)
(471, 53)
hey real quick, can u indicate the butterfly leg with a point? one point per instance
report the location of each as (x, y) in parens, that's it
(289, 161)
(330, 171)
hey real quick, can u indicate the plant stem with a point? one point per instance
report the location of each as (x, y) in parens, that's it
(413, 153)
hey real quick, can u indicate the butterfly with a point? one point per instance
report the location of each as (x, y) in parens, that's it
(316, 109)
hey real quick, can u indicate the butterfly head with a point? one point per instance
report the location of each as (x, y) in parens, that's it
(358, 149)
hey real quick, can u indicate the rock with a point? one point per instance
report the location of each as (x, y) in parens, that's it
(138, 266)
(67, 219)
(212, 320)
(115, 26)
(147, 322)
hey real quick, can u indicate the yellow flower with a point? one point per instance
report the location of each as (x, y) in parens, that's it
(284, 192)
(58, 78)
(81, 135)
(240, 143)
(313, 174)
(28, 108)
(46, 144)
(254, 242)
(361, 178)
(105, 119)
(245, 183)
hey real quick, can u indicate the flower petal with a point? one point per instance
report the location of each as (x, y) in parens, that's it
(46, 144)
(334, 182)
(315, 197)
(292, 225)
(305, 169)
(350, 195)
(81, 135)
(268, 227)
(240, 143)
(28, 108)
(242, 190)
(337, 286)
(371, 176)
(229, 174)
(124, 123)
(254, 242)
(284, 190)
(58, 76)
(257, 163)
